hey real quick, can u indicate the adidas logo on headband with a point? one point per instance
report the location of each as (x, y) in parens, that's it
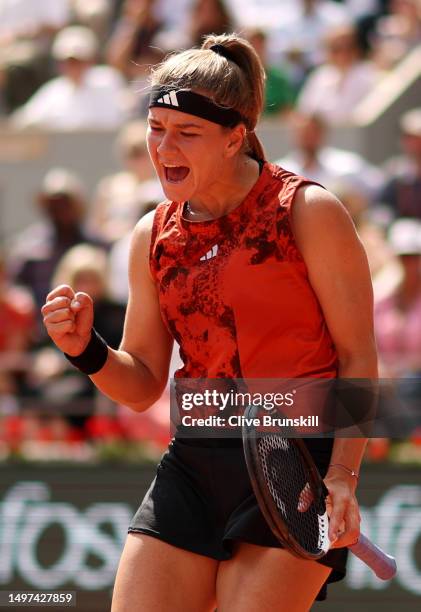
(169, 98)
(192, 103)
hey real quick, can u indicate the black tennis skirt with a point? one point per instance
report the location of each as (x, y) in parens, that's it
(201, 500)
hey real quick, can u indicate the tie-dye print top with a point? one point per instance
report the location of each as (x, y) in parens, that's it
(234, 291)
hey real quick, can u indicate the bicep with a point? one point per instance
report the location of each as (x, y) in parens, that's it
(145, 335)
(337, 268)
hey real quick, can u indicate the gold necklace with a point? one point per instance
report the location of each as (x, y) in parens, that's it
(194, 213)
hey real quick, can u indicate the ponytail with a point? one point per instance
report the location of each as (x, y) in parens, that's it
(255, 147)
(228, 70)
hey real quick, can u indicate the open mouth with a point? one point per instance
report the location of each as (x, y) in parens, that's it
(176, 174)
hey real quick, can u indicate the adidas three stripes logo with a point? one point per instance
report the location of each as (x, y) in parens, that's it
(169, 98)
(211, 253)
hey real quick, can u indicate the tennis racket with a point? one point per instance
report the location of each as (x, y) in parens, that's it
(291, 495)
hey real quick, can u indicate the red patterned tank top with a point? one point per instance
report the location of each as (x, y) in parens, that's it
(234, 291)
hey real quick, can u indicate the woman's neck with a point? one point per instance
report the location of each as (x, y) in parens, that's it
(230, 191)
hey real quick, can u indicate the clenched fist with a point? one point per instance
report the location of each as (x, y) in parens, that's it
(68, 318)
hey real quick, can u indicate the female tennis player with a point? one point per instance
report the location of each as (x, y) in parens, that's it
(256, 273)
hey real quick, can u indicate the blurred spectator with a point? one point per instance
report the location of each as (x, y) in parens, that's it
(206, 17)
(353, 198)
(131, 48)
(35, 252)
(327, 165)
(362, 8)
(94, 14)
(335, 88)
(84, 268)
(385, 270)
(3, 78)
(279, 93)
(366, 14)
(398, 316)
(402, 192)
(397, 33)
(131, 39)
(119, 268)
(119, 199)
(173, 21)
(84, 96)
(298, 40)
(147, 29)
(28, 19)
(17, 327)
(119, 252)
(26, 31)
(152, 426)
(398, 323)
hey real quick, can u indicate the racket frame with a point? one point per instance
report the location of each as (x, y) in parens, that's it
(262, 492)
(382, 564)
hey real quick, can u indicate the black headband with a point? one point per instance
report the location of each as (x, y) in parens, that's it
(187, 101)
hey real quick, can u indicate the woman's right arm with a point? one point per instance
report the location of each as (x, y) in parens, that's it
(136, 374)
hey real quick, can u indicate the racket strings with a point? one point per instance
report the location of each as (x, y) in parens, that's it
(288, 481)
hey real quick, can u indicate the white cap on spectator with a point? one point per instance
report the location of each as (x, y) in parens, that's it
(61, 181)
(410, 122)
(405, 237)
(76, 42)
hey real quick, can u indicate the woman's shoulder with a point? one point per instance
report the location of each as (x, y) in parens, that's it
(152, 222)
(314, 201)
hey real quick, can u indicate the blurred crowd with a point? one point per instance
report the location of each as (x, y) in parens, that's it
(72, 65)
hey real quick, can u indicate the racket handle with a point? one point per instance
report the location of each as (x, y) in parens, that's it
(383, 565)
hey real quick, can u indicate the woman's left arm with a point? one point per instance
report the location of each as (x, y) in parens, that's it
(339, 274)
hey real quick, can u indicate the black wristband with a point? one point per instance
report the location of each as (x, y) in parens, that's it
(93, 358)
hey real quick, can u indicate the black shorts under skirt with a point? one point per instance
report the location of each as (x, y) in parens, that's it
(201, 501)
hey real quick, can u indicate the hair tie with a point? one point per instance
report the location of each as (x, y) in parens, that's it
(221, 50)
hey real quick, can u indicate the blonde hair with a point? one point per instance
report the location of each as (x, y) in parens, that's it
(237, 84)
(81, 258)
